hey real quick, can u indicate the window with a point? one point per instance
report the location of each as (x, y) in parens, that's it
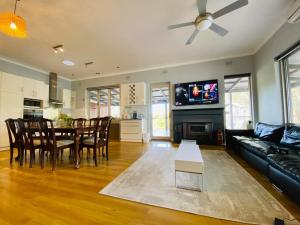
(290, 69)
(238, 104)
(93, 101)
(104, 102)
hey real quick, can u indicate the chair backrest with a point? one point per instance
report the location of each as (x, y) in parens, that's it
(79, 122)
(105, 127)
(47, 133)
(13, 131)
(26, 133)
(94, 122)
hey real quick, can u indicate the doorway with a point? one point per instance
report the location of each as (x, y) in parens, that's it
(160, 111)
(238, 101)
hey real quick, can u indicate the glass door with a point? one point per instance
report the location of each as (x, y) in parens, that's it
(160, 111)
(238, 102)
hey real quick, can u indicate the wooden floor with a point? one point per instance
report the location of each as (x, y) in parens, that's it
(69, 196)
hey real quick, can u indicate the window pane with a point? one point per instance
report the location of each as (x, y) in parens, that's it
(294, 87)
(93, 102)
(237, 103)
(115, 102)
(103, 104)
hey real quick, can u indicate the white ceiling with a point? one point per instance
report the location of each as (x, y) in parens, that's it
(132, 34)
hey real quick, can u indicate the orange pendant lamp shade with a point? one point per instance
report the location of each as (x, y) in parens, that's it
(13, 25)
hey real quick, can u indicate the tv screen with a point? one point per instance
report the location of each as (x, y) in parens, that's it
(197, 93)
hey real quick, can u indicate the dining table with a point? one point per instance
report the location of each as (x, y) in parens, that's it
(77, 132)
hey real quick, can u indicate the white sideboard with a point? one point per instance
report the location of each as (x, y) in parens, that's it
(132, 130)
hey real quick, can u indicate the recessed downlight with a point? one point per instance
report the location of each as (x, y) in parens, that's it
(68, 63)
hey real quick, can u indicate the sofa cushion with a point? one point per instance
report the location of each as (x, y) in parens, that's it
(288, 164)
(268, 132)
(291, 137)
(259, 148)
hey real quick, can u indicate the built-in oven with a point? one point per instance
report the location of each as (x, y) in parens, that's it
(32, 109)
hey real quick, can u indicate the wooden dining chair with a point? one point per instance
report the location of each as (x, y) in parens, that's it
(28, 140)
(91, 139)
(14, 137)
(104, 135)
(49, 142)
(79, 122)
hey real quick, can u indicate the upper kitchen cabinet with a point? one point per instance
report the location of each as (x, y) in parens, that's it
(69, 98)
(133, 94)
(67, 94)
(11, 83)
(35, 89)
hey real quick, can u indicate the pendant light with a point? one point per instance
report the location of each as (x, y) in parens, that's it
(13, 25)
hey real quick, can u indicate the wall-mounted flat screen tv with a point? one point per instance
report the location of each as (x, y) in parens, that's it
(197, 93)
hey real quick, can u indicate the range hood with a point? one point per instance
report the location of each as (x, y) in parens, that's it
(53, 90)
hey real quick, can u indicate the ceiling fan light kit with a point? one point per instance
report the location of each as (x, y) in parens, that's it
(13, 25)
(205, 20)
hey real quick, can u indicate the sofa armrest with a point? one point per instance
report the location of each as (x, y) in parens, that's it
(229, 133)
(244, 132)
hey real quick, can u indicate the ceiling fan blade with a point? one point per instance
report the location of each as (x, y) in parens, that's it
(191, 39)
(218, 29)
(201, 6)
(171, 27)
(234, 6)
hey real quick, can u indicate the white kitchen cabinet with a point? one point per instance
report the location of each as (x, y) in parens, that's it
(133, 94)
(29, 88)
(11, 106)
(67, 94)
(11, 83)
(43, 94)
(35, 89)
(132, 130)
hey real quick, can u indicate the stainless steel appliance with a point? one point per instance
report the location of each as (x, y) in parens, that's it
(32, 109)
(55, 95)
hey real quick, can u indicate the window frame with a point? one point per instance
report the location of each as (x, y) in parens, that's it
(109, 100)
(283, 66)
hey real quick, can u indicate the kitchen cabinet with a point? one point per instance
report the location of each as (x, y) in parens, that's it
(11, 83)
(132, 130)
(133, 94)
(13, 90)
(43, 94)
(11, 103)
(67, 98)
(11, 106)
(35, 89)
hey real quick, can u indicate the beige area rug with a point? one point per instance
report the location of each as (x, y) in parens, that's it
(230, 193)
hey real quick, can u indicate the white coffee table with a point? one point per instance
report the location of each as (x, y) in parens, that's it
(189, 160)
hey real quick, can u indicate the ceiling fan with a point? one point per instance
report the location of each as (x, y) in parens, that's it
(205, 20)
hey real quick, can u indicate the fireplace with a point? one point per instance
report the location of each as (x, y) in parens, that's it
(198, 124)
(197, 130)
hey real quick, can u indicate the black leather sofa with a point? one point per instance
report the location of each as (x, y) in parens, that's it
(272, 150)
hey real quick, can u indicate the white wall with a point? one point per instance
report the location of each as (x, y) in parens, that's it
(268, 88)
(194, 72)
